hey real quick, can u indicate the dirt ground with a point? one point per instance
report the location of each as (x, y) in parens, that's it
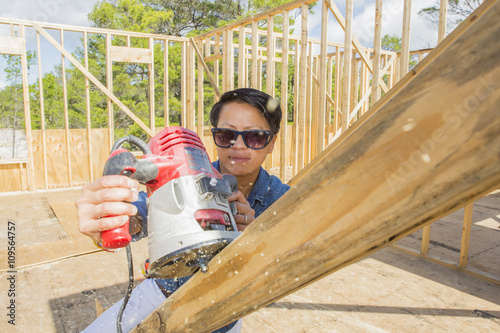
(390, 291)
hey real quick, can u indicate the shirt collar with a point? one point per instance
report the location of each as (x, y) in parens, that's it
(259, 190)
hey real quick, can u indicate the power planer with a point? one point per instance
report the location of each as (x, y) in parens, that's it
(189, 217)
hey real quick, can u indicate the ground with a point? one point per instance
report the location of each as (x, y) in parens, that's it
(390, 291)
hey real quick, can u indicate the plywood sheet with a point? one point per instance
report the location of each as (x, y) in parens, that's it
(76, 244)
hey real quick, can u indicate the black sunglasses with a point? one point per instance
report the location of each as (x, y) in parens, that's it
(253, 139)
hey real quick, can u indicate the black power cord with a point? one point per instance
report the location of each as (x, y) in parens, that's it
(145, 150)
(129, 289)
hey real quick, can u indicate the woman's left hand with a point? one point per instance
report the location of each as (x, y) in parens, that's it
(245, 214)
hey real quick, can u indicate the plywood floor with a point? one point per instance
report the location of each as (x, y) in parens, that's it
(390, 291)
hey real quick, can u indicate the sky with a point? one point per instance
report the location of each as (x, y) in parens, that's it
(75, 13)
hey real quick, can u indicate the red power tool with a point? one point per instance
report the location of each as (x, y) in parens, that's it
(189, 217)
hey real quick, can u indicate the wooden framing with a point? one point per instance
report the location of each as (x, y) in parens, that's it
(313, 98)
(377, 40)
(284, 96)
(347, 66)
(405, 43)
(378, 208)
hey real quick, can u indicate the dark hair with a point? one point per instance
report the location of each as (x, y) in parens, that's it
(267, 105)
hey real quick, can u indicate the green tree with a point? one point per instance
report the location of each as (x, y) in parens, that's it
(391, 43)
(458, 10)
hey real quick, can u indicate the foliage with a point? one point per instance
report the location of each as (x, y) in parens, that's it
(130, 81)
(458, 10)
(391, 43)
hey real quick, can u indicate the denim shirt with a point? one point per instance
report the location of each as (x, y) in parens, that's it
(266, 191)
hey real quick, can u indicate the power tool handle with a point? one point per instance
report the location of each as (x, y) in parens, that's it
(118, 237)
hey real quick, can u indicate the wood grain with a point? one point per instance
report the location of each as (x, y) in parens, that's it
(434, 147)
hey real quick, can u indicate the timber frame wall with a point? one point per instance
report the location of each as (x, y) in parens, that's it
(331, 91)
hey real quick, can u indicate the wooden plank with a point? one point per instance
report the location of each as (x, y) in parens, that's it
(205, 66)
(166, 86)
(224, 61)
(12, 45)
(151, 81)
(466, 229)
(184, 91)
(94, 80)
(329, 94)
(230, 59)
(284, 97)
(374, 208)
(27, 115)
(338, 85)
(338, 15)
(87, 107)
(242, 75)
(405, 41)
(79, 155)
(354, 88)
(260, 16)
(11, 173)
(259, 71)
(191, 88)
(296, 111)
(255, 44)
(270, 74)
(302, 89)
(314, 98)
(131, 54)
(199, 127)
(426, 239)
(216, 66)
(109, 86)
(346, 107)
(66, 115)
(66, 27)
(443, 11)
(309, 108)
(42, 108)
(323, 72)
(270, 55)
(76, 244)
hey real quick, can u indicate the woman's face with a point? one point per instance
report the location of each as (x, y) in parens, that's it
(239, 160)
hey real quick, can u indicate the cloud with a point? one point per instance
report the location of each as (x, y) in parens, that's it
(53, 11)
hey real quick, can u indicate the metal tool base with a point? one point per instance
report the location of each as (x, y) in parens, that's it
(186, 261)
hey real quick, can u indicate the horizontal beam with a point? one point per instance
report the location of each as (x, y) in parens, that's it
(131, 54)
(432, 149)
(99, 31)
(12, 45)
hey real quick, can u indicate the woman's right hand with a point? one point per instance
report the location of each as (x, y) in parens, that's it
(106, 196)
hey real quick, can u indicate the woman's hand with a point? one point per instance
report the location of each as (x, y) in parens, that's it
(245, 214)
(106, 196)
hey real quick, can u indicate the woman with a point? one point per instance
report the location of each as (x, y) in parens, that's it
(246, 122)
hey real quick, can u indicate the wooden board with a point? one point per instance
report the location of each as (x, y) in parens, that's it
(414, 161)
(76, 244)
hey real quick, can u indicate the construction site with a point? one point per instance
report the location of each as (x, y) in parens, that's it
(392, 222)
